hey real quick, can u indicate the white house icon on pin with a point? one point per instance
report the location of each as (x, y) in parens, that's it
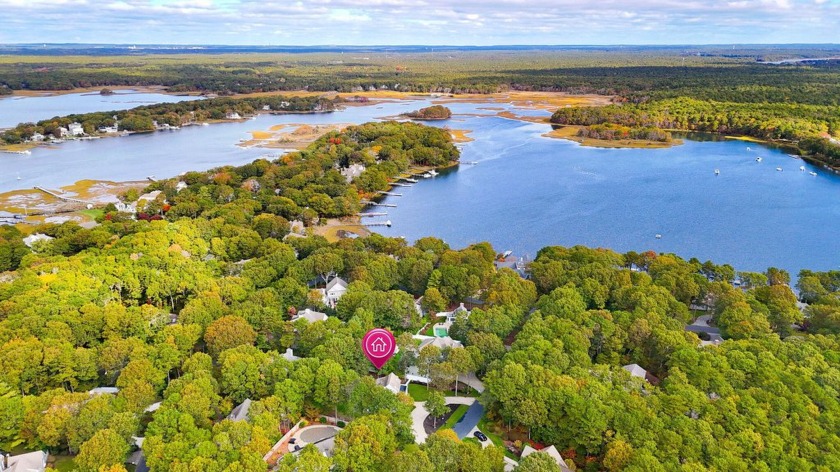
(378, 346)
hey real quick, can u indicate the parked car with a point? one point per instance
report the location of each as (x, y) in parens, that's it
(481, 436)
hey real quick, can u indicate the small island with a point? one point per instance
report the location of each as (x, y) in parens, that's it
(435, 112)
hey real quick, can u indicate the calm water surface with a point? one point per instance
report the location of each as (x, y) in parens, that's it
(17, 109)
(529, 191)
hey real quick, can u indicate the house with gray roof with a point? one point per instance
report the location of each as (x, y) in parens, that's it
(551, 451)
(240, 413)
(28, 462)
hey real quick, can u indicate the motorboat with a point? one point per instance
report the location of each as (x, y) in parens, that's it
(717, 171)
(757, 159)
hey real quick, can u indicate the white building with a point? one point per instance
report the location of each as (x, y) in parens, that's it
(310, 316)
(352, 172)
(233, 116)
(391, 382)
(29, 462)
(75, 129)
(336, 288)
(37, 137)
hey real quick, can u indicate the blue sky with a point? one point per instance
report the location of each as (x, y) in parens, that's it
(434, 22)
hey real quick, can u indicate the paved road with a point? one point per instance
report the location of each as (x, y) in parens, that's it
(469, 421)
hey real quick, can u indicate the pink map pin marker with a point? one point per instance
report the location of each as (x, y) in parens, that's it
(379, 345)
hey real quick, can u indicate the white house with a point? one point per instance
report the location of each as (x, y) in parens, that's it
(233, 116)
(352, 172)
(104, 391)
(439, 342)
(336, 288)
(75, 129)
(551, 451)
(37, 137)
(29, 462)
(310, 316)
(391, 382)
(62, 131)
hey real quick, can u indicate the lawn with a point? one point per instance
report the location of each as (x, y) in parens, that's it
(456, 416)
(63, 463)
(93, 214)
(420, 392)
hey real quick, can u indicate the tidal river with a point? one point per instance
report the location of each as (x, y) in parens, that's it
(527, 191)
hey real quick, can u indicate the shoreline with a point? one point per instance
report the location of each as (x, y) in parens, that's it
(569, 133)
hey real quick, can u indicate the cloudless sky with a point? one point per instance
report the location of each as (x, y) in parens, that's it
(433, 22)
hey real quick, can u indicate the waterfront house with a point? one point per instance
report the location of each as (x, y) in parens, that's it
(75, 129)
(62, 132)
(336, 288)
(28, 462)
(353, 171)
(37, 137)
(551, 451)
(233, 116)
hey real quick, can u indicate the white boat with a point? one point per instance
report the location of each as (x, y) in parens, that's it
(658, 236)
(717, 171)
(18, 177)
(433, 172)
(757, 159)
(802, 168)
(428, 175)
(779, 169)
(205, 124)
(813, 173)
(748, 148)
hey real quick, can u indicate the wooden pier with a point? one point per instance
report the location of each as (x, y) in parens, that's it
(379, 223)
(388, 205)
(399, 184)
(66, 199)
(390, 194)
(369, 215)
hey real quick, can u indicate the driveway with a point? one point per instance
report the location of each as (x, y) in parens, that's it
(469, 421)
(419, 414)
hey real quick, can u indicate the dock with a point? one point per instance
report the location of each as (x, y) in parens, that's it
(390, 194)
(399, 184)
(409, 179)
(60, 197)
(368, 215)
(368, 202)
(379, 223)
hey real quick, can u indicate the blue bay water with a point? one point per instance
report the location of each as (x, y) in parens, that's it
(529, 191)
(21, 109)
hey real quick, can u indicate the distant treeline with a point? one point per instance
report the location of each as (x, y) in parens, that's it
(805, 125)
(634, 75)
(173, 114)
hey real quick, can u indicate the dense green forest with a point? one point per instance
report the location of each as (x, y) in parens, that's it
(808, 127)
(193, 308)
(143, 118)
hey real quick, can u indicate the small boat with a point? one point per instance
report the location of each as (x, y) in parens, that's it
(472, 163)
(506, 254)
(748, 148)
(658, 236)
(757, 159)
(779, 169)
(802, 168)
(205, 124)
(18, 177)
(428, 175)
(813, 173)
(433, 172)
(717, 171)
